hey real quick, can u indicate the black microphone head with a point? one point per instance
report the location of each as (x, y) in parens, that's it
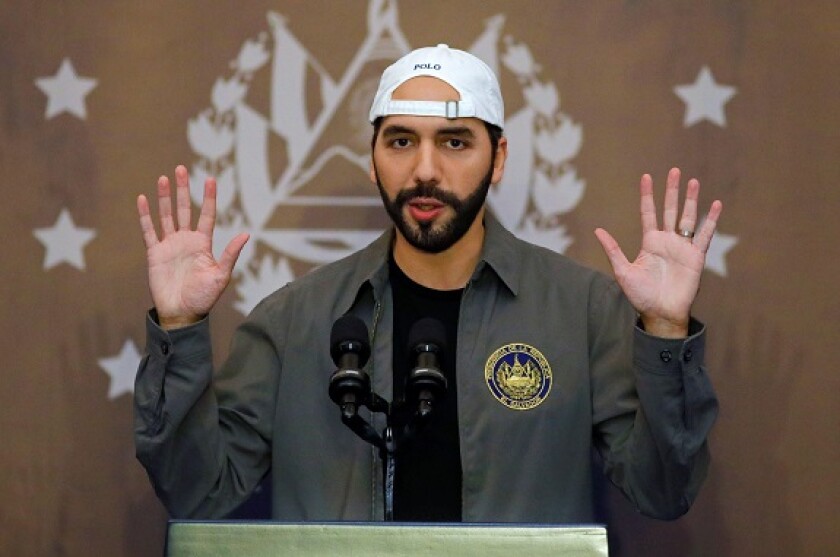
(427, 332)
(426, 384)
(349, 334)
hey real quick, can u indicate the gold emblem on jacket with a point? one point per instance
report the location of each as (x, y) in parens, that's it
(518, 376)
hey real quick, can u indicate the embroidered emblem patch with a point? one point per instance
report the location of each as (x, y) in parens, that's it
(518, 375)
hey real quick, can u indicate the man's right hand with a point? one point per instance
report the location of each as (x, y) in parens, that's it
(184, 279)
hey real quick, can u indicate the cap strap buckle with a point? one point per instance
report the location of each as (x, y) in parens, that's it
(453, 114)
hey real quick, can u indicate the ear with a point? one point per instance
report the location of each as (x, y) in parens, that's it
(372, 170)
(499, 163)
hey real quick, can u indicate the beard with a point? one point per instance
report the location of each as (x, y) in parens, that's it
(434, 237)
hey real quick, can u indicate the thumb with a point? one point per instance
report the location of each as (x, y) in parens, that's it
(232, 251)
(612, 250)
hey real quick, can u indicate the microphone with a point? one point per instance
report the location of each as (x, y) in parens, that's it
(426, 383)
(350, 350)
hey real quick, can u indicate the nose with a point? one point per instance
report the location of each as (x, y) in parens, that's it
(427, 164)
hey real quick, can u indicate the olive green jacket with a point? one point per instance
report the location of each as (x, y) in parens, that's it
(646, 404)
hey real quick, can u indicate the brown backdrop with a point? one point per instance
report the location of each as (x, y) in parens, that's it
(69, 483)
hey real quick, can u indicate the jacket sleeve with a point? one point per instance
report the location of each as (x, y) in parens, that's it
(203, 439)
(653, 406)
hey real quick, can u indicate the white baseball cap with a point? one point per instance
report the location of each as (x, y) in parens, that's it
(473, 79)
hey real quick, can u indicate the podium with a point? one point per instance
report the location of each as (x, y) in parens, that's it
(273, 539)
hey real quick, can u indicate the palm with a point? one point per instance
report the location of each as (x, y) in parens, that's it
(185, 279)
(183, 276)
(662, 282)
(664, 277)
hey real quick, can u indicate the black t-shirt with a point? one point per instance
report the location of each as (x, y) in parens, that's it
(427, 483)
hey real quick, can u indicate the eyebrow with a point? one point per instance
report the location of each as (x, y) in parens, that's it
(448, 130)
(396, 130)
(456, 130)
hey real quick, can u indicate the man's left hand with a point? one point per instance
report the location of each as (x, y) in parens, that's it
(664, 279)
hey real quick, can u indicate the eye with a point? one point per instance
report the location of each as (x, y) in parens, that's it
(455, 143)
(401, 142)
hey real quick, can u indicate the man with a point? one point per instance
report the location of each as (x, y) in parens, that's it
(545, 359)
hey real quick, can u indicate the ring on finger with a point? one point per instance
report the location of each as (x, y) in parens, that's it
(686, 233)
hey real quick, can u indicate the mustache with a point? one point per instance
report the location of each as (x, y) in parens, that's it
(427, 190)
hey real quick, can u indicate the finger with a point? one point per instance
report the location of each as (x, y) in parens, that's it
(167, 226)
(182, 178)
(207, 218)
(672, 198)
(688, 220)
(232, 251)
(648, 205)
(146, 225)
(611, 248)
(704, 238)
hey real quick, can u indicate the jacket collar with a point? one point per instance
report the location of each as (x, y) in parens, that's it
(501, 253)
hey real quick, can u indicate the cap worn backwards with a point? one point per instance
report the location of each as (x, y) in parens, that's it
(474, 81)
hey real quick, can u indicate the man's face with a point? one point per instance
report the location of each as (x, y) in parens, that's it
(434, 173)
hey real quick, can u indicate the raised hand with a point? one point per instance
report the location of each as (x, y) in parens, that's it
(184, 278)
(663, 280)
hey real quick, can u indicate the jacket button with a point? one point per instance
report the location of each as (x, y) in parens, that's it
(164, 348)
(687, 355)
(665, 356)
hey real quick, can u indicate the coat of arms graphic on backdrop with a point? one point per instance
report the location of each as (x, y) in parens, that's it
(289, 147)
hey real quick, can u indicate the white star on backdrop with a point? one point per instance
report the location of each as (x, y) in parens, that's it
(705, 99)
(64, 242)
(122, 369)
(715, 256)
(66, 91)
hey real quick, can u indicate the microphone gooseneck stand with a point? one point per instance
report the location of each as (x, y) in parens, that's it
(350, 388)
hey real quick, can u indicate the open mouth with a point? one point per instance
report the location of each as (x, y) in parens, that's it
(425, 209)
